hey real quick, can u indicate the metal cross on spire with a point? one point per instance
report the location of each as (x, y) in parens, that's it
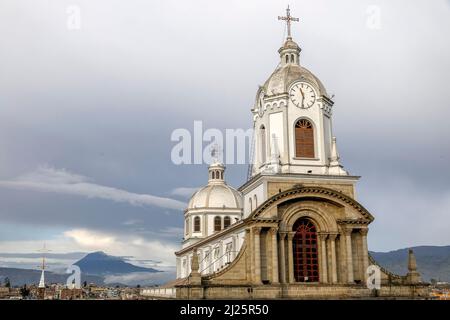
(215, 152)
(288, 20)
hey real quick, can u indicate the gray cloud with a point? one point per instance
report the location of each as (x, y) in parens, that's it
(104, 100)
(47, 179)
(184, 191)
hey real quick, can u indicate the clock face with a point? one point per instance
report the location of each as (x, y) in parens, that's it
(302, 95)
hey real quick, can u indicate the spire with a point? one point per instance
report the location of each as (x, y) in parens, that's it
(290, 51)
(42, 280)
(44, 250)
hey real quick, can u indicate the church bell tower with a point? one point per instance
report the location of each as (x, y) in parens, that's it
(292, 119)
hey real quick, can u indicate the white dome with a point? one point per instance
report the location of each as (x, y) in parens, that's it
(284, 76)
(216, 196)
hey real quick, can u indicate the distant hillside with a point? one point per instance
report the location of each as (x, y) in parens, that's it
(433, 262)
(99, 263)
(19, 277)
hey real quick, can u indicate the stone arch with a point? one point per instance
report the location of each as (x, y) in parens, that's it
(320, 193)
(323, 221)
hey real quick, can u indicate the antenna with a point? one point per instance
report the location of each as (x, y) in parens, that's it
(44, 250)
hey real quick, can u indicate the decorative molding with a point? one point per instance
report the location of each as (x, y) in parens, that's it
(322, 236)
(256, 230)
(332, 236)
(318, 191)
(347, 231)
(364, 231)
(353, 221)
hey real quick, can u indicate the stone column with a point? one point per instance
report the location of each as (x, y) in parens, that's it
(365, 251)
(249, 254)
(323, 257)
(349, 254)
(257, 253)
(290, 254)
(282, 257)
(333, 271)
(274, 256)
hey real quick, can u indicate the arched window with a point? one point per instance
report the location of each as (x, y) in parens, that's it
(197, 224)
(292, 58)
(304, 246)
(250, 203)
(226, 222)
(304, 139)
(256, 201)
(287, 59)
(262, 137)
(217, 223)
(186, 224)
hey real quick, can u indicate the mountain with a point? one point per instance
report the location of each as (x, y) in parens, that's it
(433, 262)
(99, 263)
(19, 277)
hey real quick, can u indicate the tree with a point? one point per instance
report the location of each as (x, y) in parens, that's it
(7, 282)
(24, 291)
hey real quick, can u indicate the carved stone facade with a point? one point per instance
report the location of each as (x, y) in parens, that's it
(265, 266)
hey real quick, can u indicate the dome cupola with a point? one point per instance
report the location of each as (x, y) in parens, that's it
(290, 51)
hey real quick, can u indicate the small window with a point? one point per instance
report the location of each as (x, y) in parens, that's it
(187, 226)
(287, 59)
(292, 58)
(226, 222)
(250, 202)
(217, 224)
(256, 201)
(197, 224)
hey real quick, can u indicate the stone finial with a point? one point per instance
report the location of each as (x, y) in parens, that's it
(195, 277)
(412, 264)
(335, 168)
(412, 277)
(195, 264)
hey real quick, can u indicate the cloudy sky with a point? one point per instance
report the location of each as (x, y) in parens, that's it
(88, 104)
